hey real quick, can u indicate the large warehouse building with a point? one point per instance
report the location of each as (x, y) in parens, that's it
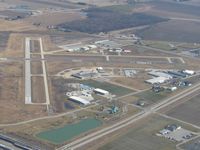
(159, 80)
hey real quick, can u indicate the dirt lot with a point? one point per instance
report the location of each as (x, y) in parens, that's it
(38, 90)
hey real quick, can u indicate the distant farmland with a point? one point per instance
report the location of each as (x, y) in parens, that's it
(173, 30)
(104, 20)
(175, 7)
(4, 39)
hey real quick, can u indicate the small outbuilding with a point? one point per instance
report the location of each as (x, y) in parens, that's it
(101, 91)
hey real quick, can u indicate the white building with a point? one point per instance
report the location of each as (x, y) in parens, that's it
(92, 46)
(159, 80)
(79, 100)
(189, 72)
(174, 88)
(160, 74)
(101, 92)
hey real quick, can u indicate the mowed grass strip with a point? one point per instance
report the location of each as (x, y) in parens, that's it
(69, 131)
(113, 89)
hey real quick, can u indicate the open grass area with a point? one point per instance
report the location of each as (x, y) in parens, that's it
(142, 137)
(187, 111)
(114, 89)
(173, 30)
(161, 45)
(151, 97)
(69, 131)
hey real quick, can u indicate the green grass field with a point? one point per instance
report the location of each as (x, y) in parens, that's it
(151, 97)
(160, 45)
(113, 89)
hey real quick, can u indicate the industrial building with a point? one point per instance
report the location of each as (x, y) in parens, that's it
(162, 77)
(101, 92)
(188, 72)
(174, 88)
(77, 47)
(85, 75)
(100, 70)
(79, 100)
(158, 80)
(160, 74)
(177, 74)
(176, 133)
(129, 72)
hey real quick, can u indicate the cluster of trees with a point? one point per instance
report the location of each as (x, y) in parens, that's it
(104, 20)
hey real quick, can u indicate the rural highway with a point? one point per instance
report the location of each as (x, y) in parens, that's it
(150, 110)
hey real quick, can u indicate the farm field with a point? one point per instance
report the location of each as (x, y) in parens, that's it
(55, 18)
(143, 136)
(173, 30)
(187, 111)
